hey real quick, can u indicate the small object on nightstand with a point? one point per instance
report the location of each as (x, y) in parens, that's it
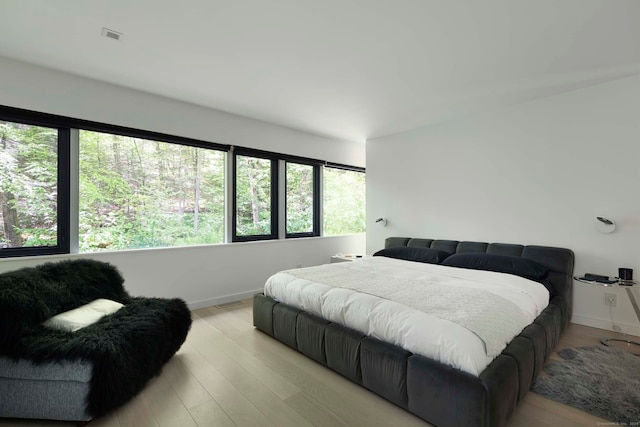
(625, 274)
(345, 257)
(590, 277)
(594, 277)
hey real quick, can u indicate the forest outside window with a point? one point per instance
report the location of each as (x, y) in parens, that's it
(255, 197)
(33, 189)
(302, 200)
(344, 201)
(139, 193)
(143, 189)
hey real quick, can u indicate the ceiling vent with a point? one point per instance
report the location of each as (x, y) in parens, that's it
(111, 34)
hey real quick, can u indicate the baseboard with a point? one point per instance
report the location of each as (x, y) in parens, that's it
(625, 328)
(194, 305)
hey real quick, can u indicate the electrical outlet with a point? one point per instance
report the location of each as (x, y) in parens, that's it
(611, 300)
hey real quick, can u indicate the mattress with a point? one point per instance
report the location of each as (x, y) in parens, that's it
(460, 317)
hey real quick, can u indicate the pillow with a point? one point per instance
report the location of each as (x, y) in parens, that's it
(83, 316)
(427, 255)
(499, 263)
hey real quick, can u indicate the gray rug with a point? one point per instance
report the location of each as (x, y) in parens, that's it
(603, 381)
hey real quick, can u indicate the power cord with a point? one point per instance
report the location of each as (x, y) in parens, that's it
(613, 324)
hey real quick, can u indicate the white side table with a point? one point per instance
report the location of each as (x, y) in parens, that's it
(627, 284)
(346, 257)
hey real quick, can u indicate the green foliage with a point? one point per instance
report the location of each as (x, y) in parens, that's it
(28, 185)
(136, 193)
(299, 198)
(344, 203)
(253, 196)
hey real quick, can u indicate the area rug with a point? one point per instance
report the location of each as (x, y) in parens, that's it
(603, 381)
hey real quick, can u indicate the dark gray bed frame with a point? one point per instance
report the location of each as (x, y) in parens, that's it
(442, 395)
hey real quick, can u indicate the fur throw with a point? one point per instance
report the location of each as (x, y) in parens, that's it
(127, 348)
(31, 295)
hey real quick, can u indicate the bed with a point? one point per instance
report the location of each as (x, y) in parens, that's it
(412, 374)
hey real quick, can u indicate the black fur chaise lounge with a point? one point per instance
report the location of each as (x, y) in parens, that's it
(53, 374)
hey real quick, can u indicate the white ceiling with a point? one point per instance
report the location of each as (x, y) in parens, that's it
(351, 69)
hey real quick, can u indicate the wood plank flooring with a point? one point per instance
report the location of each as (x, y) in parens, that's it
(229, 374)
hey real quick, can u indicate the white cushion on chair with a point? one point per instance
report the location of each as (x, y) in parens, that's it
(83, 316)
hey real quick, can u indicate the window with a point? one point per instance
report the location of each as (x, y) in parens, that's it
(142, 189)
(255, 198)
(302, 200)
(343, 201)
(33, 189)
(139, 193)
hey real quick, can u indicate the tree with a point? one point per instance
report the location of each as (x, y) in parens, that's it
(149, 193)
(344, 202)
(28, 185)
(299, 198)
(253, 196)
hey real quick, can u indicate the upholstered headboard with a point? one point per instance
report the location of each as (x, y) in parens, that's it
(558, 260)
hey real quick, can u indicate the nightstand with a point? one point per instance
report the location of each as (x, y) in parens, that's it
(345, 257)
(627, 284)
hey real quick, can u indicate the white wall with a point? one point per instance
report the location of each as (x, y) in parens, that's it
(536, 173)
(35, 88)
(202, 275)
(210, 274)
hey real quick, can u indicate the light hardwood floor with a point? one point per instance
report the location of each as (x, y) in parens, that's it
(229, 374)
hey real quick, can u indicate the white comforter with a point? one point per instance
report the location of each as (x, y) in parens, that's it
(460, 317)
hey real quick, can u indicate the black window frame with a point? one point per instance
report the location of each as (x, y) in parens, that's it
(66, 125)
(316, 199)
(273, 158)
(63, 185)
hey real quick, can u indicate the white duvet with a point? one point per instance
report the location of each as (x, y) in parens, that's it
(460, 317)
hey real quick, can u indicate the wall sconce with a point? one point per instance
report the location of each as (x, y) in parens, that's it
(382, 221)
(605, 225)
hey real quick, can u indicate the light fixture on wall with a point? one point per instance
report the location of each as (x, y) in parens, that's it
(382, 221)
(605, 225)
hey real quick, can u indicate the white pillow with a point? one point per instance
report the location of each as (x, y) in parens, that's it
(83, 316)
